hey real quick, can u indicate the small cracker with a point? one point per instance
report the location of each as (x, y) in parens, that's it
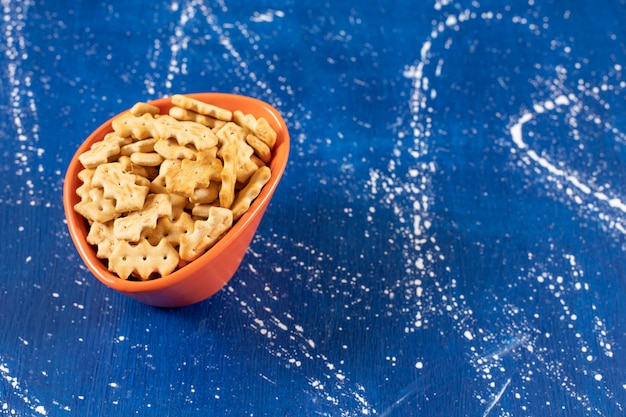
(196, 134)
(205, 233)
(158, 183)
(128, 166)
(206, 195)
(101, 235)
(246, 196)
(141, 108)
(138, 127)
(101, 151)
(128, 190)
(143, 259)
(202, 211)
(238, 166)
(179, 203)
(146, 159)
(243, 120)
(85, 175)
(172, 230)
(260, 148)
(194, 174)
(160, 127)
(185, 132)
(95, 207)
(170, 149)
(179, 113)
(131, 226)
(264, 131)
(259, 127)
(233, 147)
(201, 107)
(144, 145)
(229, 181)
(259, 163)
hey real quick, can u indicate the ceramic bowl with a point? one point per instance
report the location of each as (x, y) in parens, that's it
(206, 275)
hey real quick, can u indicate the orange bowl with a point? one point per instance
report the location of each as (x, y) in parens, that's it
(206, 275)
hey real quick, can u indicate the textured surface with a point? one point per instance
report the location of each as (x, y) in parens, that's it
(448, 238)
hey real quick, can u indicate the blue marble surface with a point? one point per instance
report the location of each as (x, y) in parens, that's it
(448, 238)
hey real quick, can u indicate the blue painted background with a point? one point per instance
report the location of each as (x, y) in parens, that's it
(448, 238)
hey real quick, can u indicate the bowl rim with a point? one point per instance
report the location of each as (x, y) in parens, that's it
(78, 233)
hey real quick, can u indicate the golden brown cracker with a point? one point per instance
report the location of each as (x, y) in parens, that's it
(101, 235)
(143, 260)
(95, 207)
(206, 195)
(260, 148)
(138, 127)
(144, 145)
(258, 127)
(205, 233)
(141, 108)
(85, 175)
(129, 166)
(172, 230)
(201, 107)
(263, 130)
(202, 211)
(170, 149)
(101, 151)
(179, 113)
(128, 190)
(196, 134)
(238, 166)
(246, 195)
(233, 147)
(146, 159)
(194, 174)
(132, 225)
(158, 183)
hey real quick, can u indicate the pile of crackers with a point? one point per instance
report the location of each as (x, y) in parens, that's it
(161, 189)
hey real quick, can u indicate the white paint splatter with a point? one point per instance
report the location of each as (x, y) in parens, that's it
(22, 393)
(560, 175)
(267, 16)
(393, 192)
(497, 398)
(22, 110)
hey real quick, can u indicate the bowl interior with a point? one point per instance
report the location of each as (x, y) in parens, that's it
(78, 227)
